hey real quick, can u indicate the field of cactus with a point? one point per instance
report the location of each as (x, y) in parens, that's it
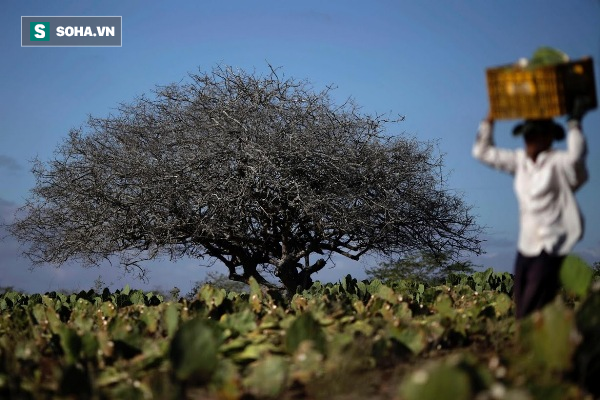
(348, 340)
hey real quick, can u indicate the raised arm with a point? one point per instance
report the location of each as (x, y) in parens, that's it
(485, 151)
(575, 155)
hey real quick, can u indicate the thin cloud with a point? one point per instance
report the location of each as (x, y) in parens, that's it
(6, 203)
(312, 15)
(590, 253)
(7, 210)
(498, 242)
(9, 163)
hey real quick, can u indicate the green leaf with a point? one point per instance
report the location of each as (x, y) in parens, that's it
(71, 344)
(194, 350)
(39, 313)
(438, 382)
(227, 380)
(361, 288)
(54, 321)
(373, 286)
(254, 351)
(48, 301)
(547, 335)
(443, 305)
(150, 316)
(576, 275)
(89, 345)
(110, 376)
(80, 319)
(502, 304)
(305, 328)
(137, 297)
(267, 377)
(256, 295)
(414, 338)
(240, 323)
(171, 319)
(212, 296)
(108, 309)
(386, 293)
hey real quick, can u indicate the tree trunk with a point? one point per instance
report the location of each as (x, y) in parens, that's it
(294, 277)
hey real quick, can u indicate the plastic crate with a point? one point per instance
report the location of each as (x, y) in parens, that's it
(541, 92)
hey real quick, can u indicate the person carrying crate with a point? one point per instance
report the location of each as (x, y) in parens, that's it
(545, 182)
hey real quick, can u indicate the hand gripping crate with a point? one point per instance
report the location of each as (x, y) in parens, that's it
(542, 92)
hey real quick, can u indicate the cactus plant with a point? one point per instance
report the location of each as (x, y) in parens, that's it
(194, 350)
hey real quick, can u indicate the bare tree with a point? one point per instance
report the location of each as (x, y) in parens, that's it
(259, 172)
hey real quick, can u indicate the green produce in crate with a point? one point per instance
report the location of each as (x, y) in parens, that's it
(547, 56)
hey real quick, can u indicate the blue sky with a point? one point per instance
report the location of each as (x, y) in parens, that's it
(422, 59)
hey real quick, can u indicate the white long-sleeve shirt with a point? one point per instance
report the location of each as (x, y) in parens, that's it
(549, 216)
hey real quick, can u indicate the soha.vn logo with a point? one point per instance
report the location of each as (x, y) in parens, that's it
(78, 31)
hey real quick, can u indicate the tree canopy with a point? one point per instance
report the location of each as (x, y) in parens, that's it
(422, 266)
(260, 172)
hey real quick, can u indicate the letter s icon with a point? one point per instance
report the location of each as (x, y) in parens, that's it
(41, 33)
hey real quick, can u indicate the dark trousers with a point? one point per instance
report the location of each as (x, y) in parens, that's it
(536, 283)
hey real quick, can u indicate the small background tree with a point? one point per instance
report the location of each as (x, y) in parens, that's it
(422, 266)
(260, 173)
(217, 280)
